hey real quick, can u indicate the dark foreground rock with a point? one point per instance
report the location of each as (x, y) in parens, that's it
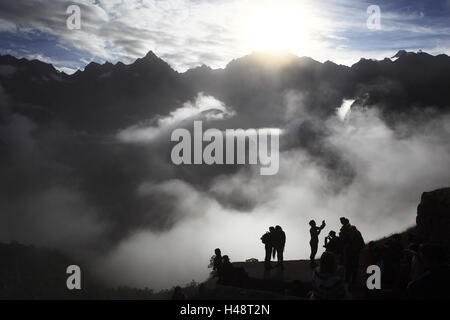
(433, 216)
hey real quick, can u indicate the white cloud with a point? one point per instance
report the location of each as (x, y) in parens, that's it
(66, 70)
(344, 109)
(207, 107)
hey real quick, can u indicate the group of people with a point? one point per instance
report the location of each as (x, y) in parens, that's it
(221, 265)
(347, 247)
(420, 271)
(274, 241)
(344, 249)
(416, 271)
(224, 270)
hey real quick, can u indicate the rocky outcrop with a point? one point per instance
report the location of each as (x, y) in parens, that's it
(433, 216)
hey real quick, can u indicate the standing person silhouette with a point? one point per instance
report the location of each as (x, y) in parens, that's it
(353, 243)
(333, 243)
(267, 239)
(279, 241)
(314, 242)
(217, 264)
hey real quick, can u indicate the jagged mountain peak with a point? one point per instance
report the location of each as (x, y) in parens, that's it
(266, 57)
(399, 54)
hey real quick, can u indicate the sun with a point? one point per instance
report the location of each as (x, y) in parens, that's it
(277, 28)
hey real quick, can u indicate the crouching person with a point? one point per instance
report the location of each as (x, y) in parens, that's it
(326, 284)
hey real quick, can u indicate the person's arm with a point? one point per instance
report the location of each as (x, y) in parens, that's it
(323, 225)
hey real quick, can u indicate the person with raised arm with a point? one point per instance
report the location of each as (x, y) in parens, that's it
(314, 242)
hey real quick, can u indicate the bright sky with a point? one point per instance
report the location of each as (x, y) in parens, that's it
(188, 33)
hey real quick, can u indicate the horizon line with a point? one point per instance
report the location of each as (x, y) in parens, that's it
(255, 52)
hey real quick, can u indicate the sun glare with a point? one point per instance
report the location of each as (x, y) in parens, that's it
(277, 28)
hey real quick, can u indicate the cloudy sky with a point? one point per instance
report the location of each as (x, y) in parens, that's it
(188, 33)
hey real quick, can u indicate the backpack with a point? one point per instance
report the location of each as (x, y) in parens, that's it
(265, 238)
(358, 240)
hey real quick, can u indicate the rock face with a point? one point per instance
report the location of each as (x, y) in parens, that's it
(433, 216)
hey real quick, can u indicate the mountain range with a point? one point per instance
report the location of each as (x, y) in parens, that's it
(253, 84)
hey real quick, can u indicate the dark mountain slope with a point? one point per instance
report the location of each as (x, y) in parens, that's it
(413, 80)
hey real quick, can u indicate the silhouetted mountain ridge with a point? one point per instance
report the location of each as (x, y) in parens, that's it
(149, 86)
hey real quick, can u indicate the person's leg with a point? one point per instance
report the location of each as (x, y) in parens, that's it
(355, 266)
(348, 271)
(354, 273)
(219, 275)
(267, 257)
(351, 267)
(280, 256)
(346, 261)
(314, 247)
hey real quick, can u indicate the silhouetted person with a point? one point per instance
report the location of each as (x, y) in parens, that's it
(178, 294)
(314, 242)
(435, 282)
(227, 271)
(217, 264)
(371, 255)
(353, 243)
(344, 228)
(267, 239)
(202, 292)
(326, 285)
(279, 241)
(333, 243)
(331, 235)
(417, 268)
(392, 254)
